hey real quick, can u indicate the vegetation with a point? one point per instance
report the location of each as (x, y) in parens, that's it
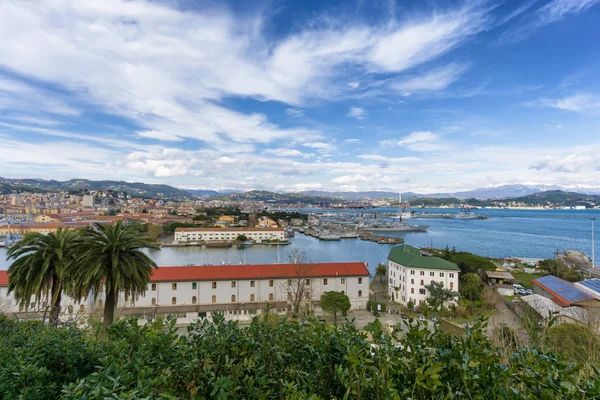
(39, 267)
(109, 258)
(525, 279)
(381, 272)
(577, 343)
(470, 286)
(275, 358)
(439, 295)
(560, 270)
(170, 228)
(335, 303)
(468, 262)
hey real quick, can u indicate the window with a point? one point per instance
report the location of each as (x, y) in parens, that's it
(422, 273)
(344, 281)
(173, 286)
(325, 281)
(412, 271)
(233, 298)
(308, 281)
(70, 308)
(359, 281)
(194, 285)
(432, 274)
(451, 275)
(174, 300)
(252, 297)
(214, 285)
(81, 308)
(421, 291)
(343, 292)
(360, 293)
(154, 287)
(271, 283)
(289, 282)
(451, 285)
(232, 283)
(154, 301)
(412, 281)
(289, 297)
(252, 283)
(214, 299)
(422, 282)
(100, 304)
(441, 274)
(194, 300)
(412, 290)
(270, 296)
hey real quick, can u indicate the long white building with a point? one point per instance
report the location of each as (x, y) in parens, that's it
(195, 235)
(239, 291)
(409, 272)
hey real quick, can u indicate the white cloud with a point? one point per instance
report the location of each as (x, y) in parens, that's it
(436, 79)
(281, 152)
(353, 141)
(159, 135)
(420, 141)
(353, 85)
(294, 112)
(350, 179)
(356, 112)
(299, 187)
(580, 102)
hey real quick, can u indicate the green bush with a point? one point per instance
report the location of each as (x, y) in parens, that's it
(275, 358)
(372, 306)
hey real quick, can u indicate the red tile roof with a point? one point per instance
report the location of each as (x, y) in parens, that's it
(225, 229)
(3, 278)
(260, 271)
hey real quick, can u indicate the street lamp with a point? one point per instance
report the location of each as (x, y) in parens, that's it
(593, 245)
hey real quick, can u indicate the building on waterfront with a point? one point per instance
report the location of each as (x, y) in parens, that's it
(563, 293)
(196, 235)
(239, 291)
(409, 271)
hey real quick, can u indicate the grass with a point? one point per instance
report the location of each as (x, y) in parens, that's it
(525, 279)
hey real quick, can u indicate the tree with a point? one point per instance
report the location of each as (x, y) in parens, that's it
(381, 271)
(242, 238)
(299, 285)
(112, 255)
(334, 303)
(174, 213)
(438, 294)
(471, 285)
(560, 270)
(40, 267)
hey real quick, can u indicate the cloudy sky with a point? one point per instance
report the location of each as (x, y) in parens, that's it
(297, 95)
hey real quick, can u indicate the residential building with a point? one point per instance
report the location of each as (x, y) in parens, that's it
(88, 200)
(409, 272)
(194, 235)
(239, 291)
(563, 293)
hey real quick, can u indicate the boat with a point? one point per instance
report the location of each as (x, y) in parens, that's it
(330, 237)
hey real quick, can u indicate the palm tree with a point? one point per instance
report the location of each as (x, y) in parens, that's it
(39, 266)
(472, 282)
(111, 255)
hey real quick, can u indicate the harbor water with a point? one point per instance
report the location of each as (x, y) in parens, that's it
(519, 233)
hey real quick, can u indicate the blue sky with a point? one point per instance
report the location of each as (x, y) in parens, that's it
(299, 95)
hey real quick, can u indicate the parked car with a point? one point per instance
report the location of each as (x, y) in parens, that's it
(421, 317)
(404, 316)
(529, 291)
(376, 314)
(434, 318)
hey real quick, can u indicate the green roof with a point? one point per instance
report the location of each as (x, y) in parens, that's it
(410, 256)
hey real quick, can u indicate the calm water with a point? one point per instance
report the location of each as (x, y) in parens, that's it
(518, 233)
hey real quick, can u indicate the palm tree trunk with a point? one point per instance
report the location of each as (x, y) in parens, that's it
(109, 307)
(56, 299)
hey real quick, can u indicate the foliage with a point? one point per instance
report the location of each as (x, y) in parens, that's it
(372, 305)
(381, 272)
(275, 358)
(334, 303)
(439, 295)
(39, 267)
(560, 270)
(242, 238)
(170, 227)
(111, 255)
(576, 342)
(470, 286)
(468, 262)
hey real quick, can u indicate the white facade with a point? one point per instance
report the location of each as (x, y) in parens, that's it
(411, 282)
(88, 200)
(195, 235)
(195, 297)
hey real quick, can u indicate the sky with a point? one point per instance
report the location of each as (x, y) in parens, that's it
(347, 95)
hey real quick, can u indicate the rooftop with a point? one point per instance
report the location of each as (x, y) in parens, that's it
(226, 229)
(410, 256)
(590, 285)
(546, 307)
(499, 275)
(564, 293)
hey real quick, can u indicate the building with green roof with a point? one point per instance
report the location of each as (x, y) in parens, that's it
(409, 271)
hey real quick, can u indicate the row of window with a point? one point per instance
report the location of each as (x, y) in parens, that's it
(422, 273)
(252, 284)
(214, 299)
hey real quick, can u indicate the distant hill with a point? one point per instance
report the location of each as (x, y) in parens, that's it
(133, 188)
(279, 198)
(352, 195)
(559, 197)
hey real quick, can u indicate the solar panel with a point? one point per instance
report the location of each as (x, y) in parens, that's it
(564, 289)
(592, 284)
